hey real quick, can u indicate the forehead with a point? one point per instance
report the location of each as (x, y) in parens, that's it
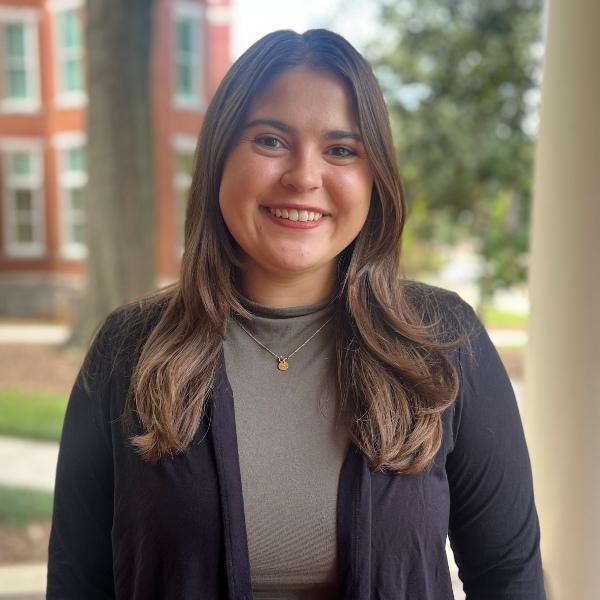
(304, 94)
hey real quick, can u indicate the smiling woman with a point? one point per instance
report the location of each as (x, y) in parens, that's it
(292, 419)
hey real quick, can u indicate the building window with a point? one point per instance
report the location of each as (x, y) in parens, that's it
(183, 148)
(188, 55)
(15, 61)
(19, 47)
(70, 57)
(72, 181)
(24, 220)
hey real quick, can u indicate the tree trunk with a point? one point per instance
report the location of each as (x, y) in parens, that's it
(119, 195)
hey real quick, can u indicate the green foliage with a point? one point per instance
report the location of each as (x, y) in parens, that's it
(36, 415)
(461, 79)
(20, 506)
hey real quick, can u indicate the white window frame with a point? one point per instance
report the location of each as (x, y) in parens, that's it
(218, 15)
(181, 181)
(194, 12)
(28, 18)
(33, 181)
(62, 143)
(65, 99)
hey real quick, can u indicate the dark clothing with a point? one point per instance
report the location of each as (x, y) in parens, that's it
(131, 530)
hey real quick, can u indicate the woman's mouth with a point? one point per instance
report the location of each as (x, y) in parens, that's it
(295, 215)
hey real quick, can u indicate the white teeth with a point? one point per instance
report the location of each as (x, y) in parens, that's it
(295, 215)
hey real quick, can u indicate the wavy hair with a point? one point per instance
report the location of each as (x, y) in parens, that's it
(394, 375)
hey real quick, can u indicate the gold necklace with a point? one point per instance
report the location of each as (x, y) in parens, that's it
(282, 360)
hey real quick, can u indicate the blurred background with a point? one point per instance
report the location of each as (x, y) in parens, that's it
(101, 102)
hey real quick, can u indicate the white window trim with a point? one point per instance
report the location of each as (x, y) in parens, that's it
(60, 5)
(64, 100)
(183, 9)
(183, 142)
(68, 139)
(219, 15)
(61, 143)
(181, 181)
(28, 17)
(34, 181)
(186, 8)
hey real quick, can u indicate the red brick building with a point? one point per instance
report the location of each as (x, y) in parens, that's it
(42, 138)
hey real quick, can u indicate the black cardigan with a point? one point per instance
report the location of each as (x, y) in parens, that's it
(126, 529)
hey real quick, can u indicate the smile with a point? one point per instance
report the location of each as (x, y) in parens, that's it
(295, 215)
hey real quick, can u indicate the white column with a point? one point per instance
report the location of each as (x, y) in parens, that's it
(562, 407)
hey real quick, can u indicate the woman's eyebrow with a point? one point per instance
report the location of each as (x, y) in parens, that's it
(271, 122)
(334, 134)
(340, 134)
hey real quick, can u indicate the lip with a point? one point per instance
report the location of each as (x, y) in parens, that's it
(292, 224)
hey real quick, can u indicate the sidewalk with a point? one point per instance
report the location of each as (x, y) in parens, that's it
(22, 582)
(32, 333)
(28, 463)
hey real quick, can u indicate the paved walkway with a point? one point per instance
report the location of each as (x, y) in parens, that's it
(32, 333)
(27, 463)
(22, 582)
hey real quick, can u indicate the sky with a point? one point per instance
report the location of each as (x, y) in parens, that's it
(354, 19)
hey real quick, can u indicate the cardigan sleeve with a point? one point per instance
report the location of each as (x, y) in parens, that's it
(80, 551)
(494, 529)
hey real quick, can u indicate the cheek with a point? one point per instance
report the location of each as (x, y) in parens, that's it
(246, 177)
(353, 193)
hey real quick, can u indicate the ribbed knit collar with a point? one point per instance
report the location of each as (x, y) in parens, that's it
(271, 312)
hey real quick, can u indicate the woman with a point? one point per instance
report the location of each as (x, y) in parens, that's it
(291, 419)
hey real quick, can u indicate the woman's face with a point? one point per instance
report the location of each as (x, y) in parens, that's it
(296, 186)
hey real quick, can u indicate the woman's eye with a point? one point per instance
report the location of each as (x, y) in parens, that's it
(342, 152)
(268, 141)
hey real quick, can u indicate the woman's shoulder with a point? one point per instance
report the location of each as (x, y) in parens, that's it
(442, 308)
(120, 336)
(129, 322)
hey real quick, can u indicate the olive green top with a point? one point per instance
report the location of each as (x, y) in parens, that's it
(291, 448)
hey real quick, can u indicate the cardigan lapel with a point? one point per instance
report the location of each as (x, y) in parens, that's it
(230, 486)
(354, 527)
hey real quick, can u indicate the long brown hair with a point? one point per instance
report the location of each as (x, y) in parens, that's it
(394, 375)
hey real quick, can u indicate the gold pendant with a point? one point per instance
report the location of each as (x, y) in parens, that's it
(282, 364)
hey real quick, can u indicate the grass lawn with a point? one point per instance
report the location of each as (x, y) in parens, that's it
(496, 318)
(20, 506)
(36, 415)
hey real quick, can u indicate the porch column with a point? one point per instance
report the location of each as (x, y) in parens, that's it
(562, 390)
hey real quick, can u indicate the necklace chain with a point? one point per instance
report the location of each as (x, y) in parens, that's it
(282, 360)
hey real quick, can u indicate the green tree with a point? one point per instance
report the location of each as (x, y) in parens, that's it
(461, 79)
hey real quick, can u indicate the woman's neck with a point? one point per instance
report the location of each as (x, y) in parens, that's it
(285, 290)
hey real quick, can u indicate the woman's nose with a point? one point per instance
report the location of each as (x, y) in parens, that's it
(303, 173)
